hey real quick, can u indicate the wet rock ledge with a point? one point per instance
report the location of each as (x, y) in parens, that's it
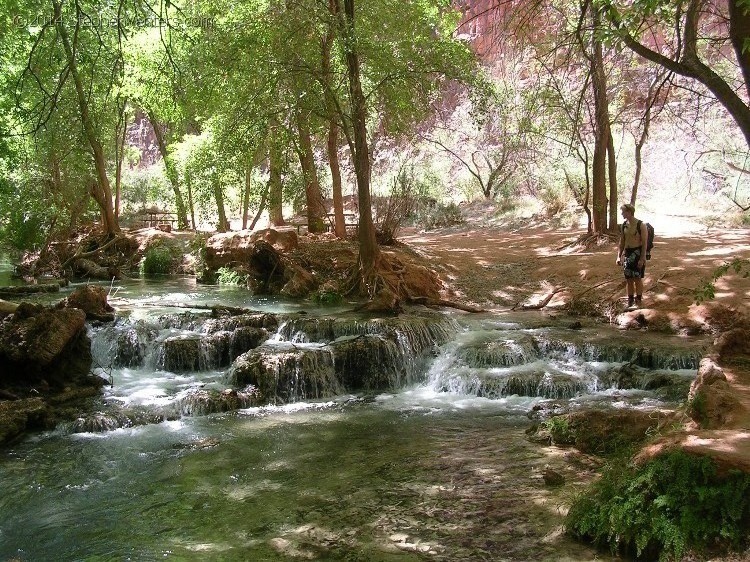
(45, 361)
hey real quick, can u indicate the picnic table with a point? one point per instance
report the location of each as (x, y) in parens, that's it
(158, 219)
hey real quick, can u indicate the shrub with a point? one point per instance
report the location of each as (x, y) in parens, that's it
(229, 276)
(327, 298)
(440, 216)
(659, 510)
(157, 261)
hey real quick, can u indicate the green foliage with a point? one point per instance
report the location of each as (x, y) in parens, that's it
(327, 298)
(157, 261)
(559, 430)
(229, 276)
(659, 510)
(440, 216)
(707, 289)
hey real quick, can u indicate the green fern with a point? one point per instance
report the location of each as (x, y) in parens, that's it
(659, 510)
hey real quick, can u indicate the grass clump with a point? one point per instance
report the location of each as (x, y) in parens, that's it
(659, 510)
(157, 261)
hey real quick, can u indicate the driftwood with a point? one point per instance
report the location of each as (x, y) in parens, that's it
(30, 289)
(79, 253)
(89, 268)
(436, 303)
(7, 307)
(7, 395)
(540, 305)
(596, 286)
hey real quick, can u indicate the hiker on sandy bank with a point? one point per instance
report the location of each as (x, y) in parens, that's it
(631, 254)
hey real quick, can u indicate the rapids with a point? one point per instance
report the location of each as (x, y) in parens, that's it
(416, 453)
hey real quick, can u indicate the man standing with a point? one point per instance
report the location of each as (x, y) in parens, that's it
(631, 254)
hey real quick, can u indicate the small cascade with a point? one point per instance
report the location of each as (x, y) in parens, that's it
(375, 362)
(499, 353)
(501, 383)
(99, 422)
(257, 320)
(204, 402)
(285, 373)
(122, 344)
(639, 349)
(305, 329)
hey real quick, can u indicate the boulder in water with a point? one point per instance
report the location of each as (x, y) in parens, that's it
(21, 415)
(238, 247)
(93, 301)
(712, 402)
(39, 343)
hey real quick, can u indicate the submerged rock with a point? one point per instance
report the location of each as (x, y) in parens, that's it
(43, 344)
(287, 374)
(204, 402)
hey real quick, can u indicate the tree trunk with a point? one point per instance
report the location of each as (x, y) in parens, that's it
(739, 33)
(261, 208)
(332, 142)
(246, 195)
(316, 212)
(169, 168)
(122, 123)
(612, 174)
(601, 131)
(275, 194)
(369, 252)
(692, 67)
(223, 225)
(102, 185)
(189, 185)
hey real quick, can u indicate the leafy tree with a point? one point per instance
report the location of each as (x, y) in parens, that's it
(688, 32)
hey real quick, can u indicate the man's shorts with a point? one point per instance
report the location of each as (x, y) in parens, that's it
(630, 264)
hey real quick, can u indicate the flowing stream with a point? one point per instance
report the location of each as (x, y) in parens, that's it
(435, 467)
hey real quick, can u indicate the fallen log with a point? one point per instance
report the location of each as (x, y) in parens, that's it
(435, 303)
(30, 289)
(7, 307)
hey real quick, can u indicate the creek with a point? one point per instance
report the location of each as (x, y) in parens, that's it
(416, 451)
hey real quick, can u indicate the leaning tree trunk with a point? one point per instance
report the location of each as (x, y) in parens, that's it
(332, 142)
(223, 225)
(103, 190)
(275, 194)
(316, 212)
(612, 175)
(170, 169)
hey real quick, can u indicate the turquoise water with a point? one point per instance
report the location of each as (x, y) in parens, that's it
(351, 480)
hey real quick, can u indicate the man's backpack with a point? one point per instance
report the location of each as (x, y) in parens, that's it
(650, 241)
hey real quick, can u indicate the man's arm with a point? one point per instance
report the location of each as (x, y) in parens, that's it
(620, 245)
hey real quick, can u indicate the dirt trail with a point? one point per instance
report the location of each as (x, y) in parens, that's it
(498, 268)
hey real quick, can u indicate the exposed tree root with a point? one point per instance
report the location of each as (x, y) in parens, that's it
(596, 286)
(539, 305)
(589, 240)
